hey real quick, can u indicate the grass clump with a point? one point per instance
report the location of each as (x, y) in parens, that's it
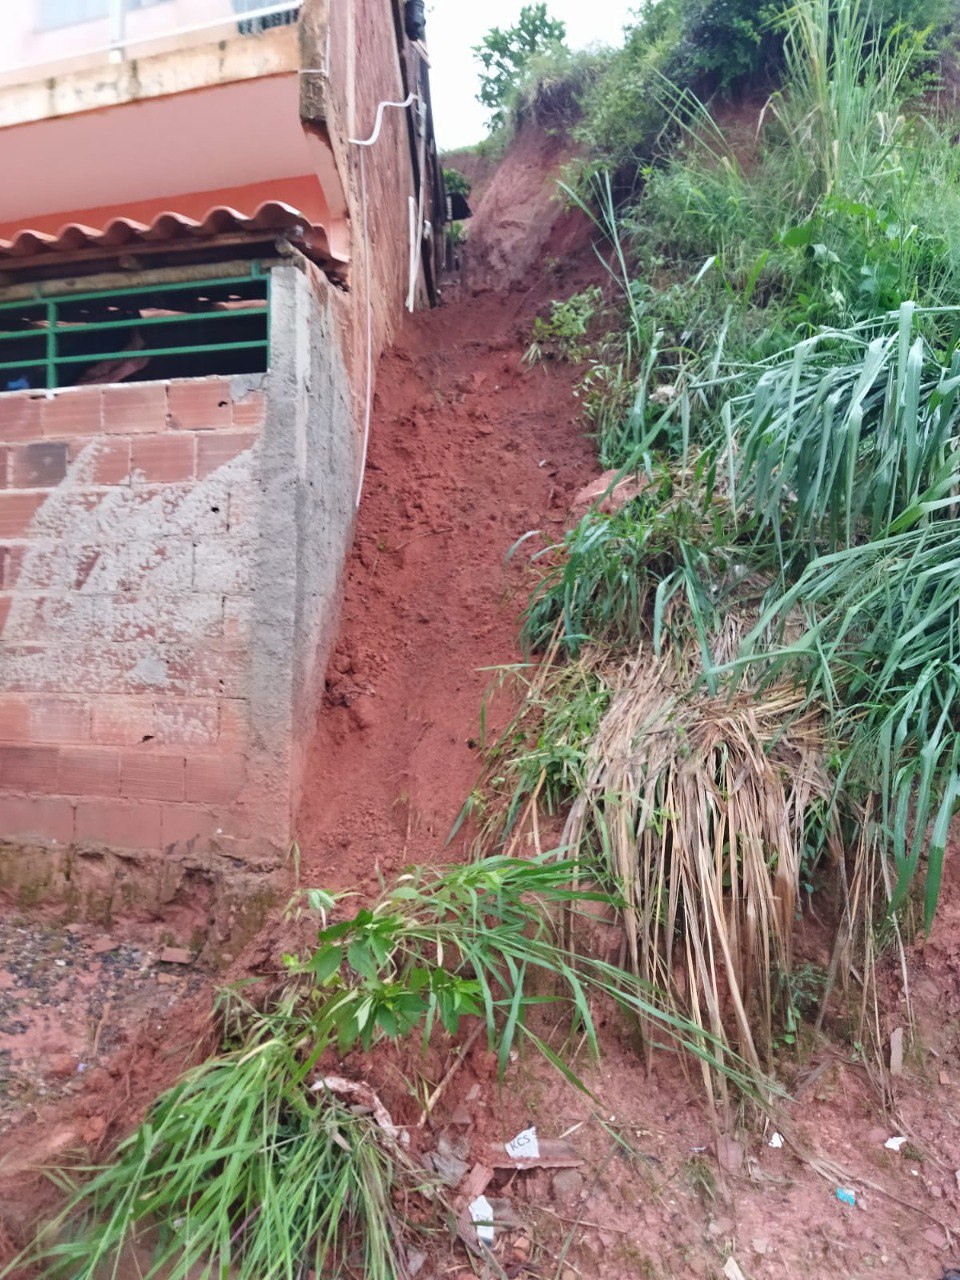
(242, 1169)
(772, 613)
(258, 1164)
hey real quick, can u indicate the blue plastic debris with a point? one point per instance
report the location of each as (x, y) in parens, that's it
(846, 1197)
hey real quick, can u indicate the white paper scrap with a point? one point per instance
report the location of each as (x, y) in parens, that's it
(524, 1146)
(776, 1141)
(894, 1144)
(481, 1213)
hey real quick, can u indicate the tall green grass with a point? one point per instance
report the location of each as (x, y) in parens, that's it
(253, 1166)
(788, 363)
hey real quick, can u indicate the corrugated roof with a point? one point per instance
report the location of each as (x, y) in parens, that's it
(169, 228)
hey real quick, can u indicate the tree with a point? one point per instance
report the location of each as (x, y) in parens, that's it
(505, 54)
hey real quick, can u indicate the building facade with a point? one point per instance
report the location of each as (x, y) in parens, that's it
(214, 224)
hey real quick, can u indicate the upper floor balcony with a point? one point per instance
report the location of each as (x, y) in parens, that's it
(44, 40)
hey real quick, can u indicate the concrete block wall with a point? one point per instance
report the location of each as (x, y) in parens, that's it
(129, 531)
(170, 565)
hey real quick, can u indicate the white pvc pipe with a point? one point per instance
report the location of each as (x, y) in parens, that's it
(368, 142)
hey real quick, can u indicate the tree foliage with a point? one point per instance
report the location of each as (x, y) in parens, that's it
(505, 54)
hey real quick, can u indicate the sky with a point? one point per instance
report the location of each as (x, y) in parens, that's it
(455, 26)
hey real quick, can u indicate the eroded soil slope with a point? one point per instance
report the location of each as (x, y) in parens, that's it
(470, 450)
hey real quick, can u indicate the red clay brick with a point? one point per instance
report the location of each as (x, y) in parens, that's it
(40, 465)
(215, 779)
(140, 408)
(89, 771)
(207, 672)
(17, 510)
(29, 768)
(77, 411)
(125, 722)
(6, 604)
(186, 722)
(162, 459)
(20, 415)
(4, 466)
(146, 775)
(119, 824)
(181, 823)
(251, 412)
(216, 450)
(14, 719)
(10, 560)
(29, 818)
(200, 405)
(58, 720)
(110, 461)
(234, 724)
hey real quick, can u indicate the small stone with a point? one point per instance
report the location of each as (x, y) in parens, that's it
(945, 1077)
(176, 955)
(877, 1136)
(721, 1227)
(100, 946)
(61, 1067)
(567, 1186)
(760, 1245)
(94, 1129)
(729, 1155)
(7, 980)
(461, 1117)
(523, 1247)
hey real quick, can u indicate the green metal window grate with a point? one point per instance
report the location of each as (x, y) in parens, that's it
(141, 333)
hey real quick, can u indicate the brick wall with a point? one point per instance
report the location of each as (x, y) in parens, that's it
(128, 543)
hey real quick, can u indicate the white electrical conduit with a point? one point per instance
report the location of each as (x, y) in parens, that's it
(369, 142)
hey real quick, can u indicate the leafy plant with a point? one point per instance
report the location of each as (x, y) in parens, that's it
(254, 1166)
(456, 183)
(505, 54)
(483, 940)
(564, 336)
(243, 1168)
(615, 576)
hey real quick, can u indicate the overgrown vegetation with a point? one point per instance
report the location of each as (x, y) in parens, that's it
(506, 53)
(772, 619)
(624, 106)
(258, 1164)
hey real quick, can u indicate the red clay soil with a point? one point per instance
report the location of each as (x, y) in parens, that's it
(470, 450)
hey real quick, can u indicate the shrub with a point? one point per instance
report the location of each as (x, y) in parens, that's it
(505, 54)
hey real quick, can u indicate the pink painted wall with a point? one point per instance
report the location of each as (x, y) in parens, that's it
(24, 44)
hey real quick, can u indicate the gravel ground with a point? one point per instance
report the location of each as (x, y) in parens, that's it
(70, 997)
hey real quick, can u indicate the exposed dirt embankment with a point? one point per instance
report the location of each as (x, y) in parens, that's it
(470, 449)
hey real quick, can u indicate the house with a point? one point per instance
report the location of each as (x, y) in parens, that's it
(214, 215)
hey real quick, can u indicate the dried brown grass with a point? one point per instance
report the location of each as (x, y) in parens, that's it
(700, 805)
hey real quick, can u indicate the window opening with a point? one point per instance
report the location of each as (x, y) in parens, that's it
(254, 25)
(70, 13)
(140, 334)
